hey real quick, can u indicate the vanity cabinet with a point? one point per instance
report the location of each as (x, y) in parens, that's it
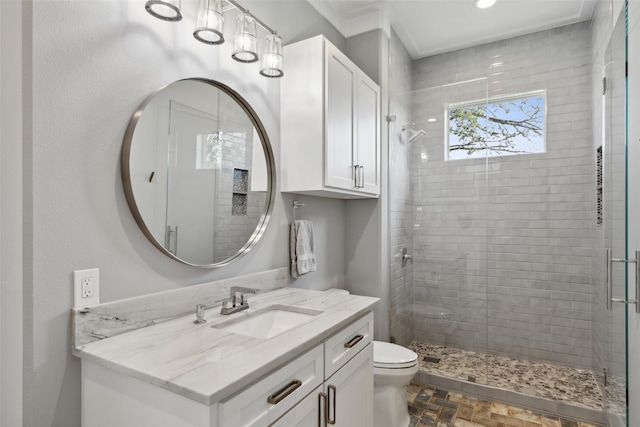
(330, 123)
(307, 413)
(331, 381)
(344, 400)
(268, 399)
(349, 392)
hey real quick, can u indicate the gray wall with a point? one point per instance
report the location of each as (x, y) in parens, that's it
(367, 237)
(93, 63)
(11, 212)
(509, 251)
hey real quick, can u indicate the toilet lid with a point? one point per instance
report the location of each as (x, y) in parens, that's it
(393, 356)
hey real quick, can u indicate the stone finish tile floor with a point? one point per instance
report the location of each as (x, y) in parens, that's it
(577, 386)
(431, 407)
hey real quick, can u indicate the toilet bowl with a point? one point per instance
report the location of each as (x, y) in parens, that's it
(393, 368)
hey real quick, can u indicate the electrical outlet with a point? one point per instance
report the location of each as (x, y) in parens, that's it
(86, 288)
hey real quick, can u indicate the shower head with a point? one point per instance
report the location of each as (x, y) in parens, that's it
(411, 134)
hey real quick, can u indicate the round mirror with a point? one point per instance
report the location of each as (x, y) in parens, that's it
(198, 172)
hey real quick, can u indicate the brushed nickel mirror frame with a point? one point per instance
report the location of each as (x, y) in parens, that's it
(270, 167)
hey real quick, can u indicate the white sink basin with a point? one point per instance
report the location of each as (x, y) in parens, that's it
(267, 322)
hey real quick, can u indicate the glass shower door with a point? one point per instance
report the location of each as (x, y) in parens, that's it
(611, 321)
(449, 230)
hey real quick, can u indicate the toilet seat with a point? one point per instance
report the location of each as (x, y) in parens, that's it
(392, 356)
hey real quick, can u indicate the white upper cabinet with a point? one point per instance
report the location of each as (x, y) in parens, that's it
(330, 124)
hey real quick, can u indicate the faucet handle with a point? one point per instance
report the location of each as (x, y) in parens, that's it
(225, 302)
(200, 314)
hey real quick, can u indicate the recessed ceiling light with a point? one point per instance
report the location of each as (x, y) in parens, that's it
(432, 119)
(483, 4)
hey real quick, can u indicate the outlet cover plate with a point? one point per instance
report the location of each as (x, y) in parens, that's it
(79, 277)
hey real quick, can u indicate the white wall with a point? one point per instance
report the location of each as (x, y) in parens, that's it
(634, 202)
(10, 214)
(93, 64)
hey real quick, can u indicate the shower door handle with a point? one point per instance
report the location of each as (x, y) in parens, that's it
(609, 275)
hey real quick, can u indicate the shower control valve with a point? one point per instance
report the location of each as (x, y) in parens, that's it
(406, 257)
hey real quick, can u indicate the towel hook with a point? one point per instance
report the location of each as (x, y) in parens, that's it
(296, 205)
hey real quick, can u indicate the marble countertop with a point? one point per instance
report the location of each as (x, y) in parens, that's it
(207, 364)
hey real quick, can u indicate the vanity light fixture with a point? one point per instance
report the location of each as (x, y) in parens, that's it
(245, 44)
(272, 58)
(210, 30)
(167, 10)
(209, 22)
(484, 4)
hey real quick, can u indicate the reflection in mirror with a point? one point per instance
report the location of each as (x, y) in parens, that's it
(198, 172)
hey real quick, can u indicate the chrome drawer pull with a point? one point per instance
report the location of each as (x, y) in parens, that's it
(320, 408)
(285, 391)
(353, 341)
(335, 391)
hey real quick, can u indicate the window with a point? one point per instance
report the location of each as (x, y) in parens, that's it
(500, 126)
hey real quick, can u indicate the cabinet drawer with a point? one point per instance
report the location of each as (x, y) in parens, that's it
(347, 343)
(304, 414)
(268, 399)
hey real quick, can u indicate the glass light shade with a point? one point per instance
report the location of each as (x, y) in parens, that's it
(272, 57)
(167, 10)
(209, 22)
(245, 46)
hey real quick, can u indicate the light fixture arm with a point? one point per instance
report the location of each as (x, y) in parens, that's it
(264, 26)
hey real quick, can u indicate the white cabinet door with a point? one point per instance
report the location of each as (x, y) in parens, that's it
(368, 135)
(350, 392)
(304, 414)
(339, 150)
(330, 124)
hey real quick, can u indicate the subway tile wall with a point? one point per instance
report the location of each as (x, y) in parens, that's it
(234, 227)
(505, 245)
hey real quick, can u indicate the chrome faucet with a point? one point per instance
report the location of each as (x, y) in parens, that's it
(235, 304)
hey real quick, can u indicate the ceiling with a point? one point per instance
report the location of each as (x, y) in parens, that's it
(429, 27)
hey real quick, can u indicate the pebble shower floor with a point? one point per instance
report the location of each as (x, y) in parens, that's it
(549, 381)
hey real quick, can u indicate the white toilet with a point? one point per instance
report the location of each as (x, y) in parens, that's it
(393, 368)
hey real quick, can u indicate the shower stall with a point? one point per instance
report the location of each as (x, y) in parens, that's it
(507, 188)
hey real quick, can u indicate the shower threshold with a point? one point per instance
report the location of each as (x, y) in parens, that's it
(564, 391)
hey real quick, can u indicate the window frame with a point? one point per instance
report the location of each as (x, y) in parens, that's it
(493, 100)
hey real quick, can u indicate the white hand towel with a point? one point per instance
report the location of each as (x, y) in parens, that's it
(303, 259)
